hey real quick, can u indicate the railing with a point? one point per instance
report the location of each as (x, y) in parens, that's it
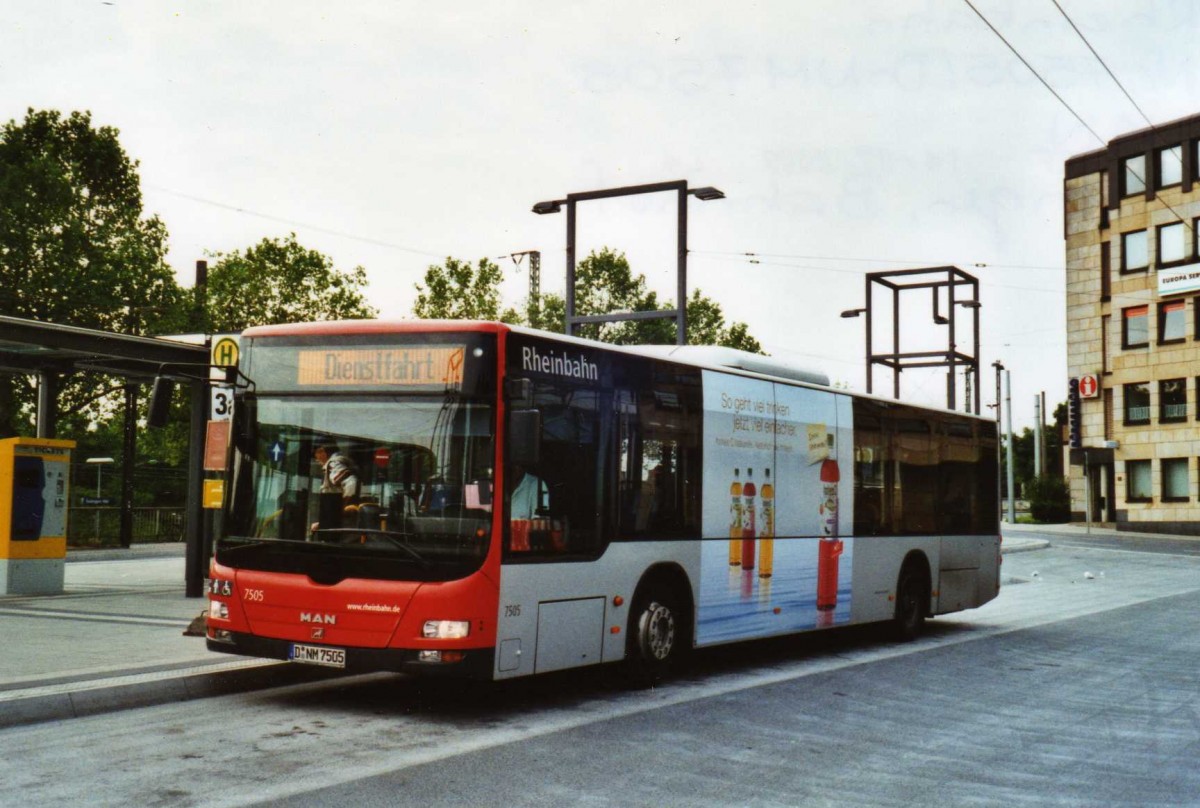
(102, 525)
(1137, 413)
(1174, 412)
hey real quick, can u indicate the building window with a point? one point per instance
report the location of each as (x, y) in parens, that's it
(1135, 252)
(1134, 180)
(1172, 244)
(1135, 327)
(1105, 319)
(1172, 321)
(1170, 166)
(1105, 271)
(1137, 403)
(1137, 480)
(1172, 400)
(1175, 486)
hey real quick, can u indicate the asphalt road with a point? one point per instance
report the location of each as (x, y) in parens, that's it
(1078, 686)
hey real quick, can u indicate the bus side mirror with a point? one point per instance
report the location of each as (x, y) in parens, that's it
(518, 393)
(160, 401)
(525, 437)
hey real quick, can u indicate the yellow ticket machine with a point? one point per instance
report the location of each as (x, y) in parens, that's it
(34, 486)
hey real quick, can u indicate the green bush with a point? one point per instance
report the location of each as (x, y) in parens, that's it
(1049, 499)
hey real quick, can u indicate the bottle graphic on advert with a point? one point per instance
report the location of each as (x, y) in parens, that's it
(830, 546)
(735, 520)
(766, 544)
(830, 477)
(748, 521)
(828, 554)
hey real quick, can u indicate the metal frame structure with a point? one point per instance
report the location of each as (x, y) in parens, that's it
(49, 350)
(679, 314)
(949, 278)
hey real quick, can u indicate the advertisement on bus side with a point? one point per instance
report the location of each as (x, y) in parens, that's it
(778, 482)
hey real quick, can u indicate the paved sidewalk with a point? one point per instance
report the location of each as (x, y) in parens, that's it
(115, 640)
(1020, 531)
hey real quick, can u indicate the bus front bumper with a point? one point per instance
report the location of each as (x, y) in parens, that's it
(473, 663)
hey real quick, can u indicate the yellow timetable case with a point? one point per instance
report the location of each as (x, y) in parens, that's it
(34, 494)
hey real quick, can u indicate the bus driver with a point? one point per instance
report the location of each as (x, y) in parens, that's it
(340, 475)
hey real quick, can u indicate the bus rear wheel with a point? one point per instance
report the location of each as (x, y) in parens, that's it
(912, 600)
(655, 636)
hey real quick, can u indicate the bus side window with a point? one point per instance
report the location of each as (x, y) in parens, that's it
(562, 517)
(869, 458)
(658, 466)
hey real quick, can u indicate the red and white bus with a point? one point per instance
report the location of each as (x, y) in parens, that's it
(504, 502)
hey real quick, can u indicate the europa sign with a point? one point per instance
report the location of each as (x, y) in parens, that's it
(1173, 280)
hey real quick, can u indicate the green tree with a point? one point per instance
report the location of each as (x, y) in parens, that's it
(459, 291)
(75, 247)
(1023, 450)
(604, 283)
(1049, 499)
(281, 281)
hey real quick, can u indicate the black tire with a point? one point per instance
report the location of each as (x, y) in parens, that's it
(912, 600)
(657, 636)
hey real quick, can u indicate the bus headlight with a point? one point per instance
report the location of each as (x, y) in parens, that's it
(445, 629)
(218, 610)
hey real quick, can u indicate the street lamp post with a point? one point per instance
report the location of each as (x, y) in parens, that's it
(1008, 453)
(680, 187)
(934, 279)
(999, 366)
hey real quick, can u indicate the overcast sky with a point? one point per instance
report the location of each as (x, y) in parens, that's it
(849, 137)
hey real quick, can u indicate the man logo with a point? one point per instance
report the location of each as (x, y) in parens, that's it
(318, 634)
(324, 619)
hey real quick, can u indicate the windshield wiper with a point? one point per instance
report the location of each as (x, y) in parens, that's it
(396, 539)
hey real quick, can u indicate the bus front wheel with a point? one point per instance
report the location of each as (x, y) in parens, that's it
(655, 637)
(912, 600)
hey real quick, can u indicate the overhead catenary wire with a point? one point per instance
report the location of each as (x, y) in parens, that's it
(1067, 106)
(294, 223)
(1032, 70)
(1117, 82)
(860, 274)
(861, 260)
(1103, 64)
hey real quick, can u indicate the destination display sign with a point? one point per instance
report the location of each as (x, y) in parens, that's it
(409, 366)
(387, 363)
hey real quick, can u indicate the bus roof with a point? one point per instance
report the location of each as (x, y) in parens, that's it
(710, 356)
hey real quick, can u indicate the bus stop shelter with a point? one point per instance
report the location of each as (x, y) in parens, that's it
(49, 352)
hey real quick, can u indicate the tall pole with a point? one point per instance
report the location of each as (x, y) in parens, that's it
(1042, 432)
(681, 267)
(999, 436)
(870, 357)
(952, 354)
(1012, 494)
(99, 474)
(1038, 468)
(568, 326)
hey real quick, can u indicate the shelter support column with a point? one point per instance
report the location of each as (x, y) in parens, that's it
(195, 567)
(129, 458)
(47, 396)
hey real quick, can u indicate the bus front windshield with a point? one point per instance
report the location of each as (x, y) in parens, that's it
(401, 479)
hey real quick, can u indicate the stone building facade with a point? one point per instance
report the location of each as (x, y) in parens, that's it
(1133, 327)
